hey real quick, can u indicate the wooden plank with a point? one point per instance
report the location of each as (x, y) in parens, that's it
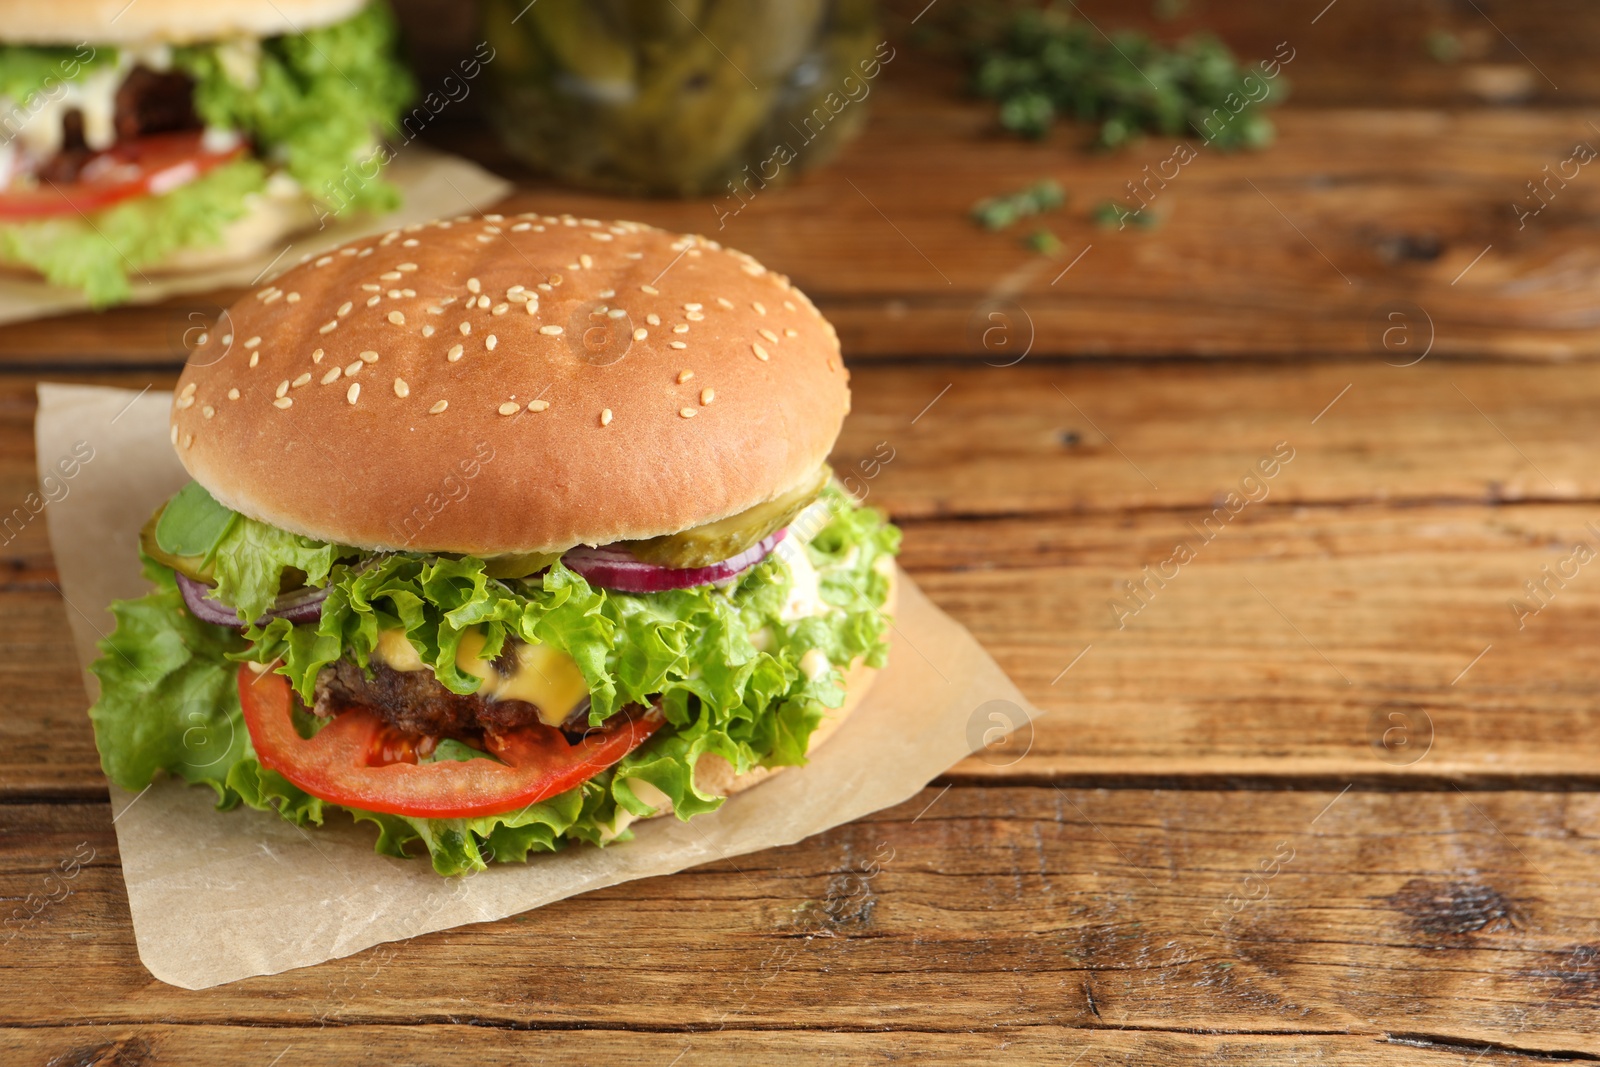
(1459, 919)
(471, 1045)
(1351, 212)
(1380, 559)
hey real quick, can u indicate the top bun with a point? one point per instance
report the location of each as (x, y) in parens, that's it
(118, 22)
(405, 392)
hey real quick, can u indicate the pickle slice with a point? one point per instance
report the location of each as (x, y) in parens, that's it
(518, 564)
(194, 567)
(716, 541)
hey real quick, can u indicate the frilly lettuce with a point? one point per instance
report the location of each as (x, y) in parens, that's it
(724, 665)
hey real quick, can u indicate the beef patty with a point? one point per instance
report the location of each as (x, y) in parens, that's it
(415, 702)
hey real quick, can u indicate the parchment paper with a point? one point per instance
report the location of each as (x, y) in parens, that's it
(221, 896)
(432, 184)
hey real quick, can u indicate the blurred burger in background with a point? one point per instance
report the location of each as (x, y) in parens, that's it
(166, 135)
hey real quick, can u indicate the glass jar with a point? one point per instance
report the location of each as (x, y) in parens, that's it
(680, 97)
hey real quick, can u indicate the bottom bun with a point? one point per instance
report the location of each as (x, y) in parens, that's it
(715, 776)
(270, 217)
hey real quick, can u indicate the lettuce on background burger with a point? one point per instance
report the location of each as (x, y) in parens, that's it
(454, 563)
(163, 135)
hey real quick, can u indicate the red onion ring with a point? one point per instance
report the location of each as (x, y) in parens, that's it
(303, 605)
(612, 567)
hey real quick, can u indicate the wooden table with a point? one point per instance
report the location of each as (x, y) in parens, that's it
(1326, 795)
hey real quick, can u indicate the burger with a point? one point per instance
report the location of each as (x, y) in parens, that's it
(503, 533)
(167, 135)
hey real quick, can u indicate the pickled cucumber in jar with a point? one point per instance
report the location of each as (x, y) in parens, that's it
(680, 97)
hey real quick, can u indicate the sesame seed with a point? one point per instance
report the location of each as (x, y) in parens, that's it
(410, 242)
(693, 307)
(389, 276)
(707, 395)
(684, 375)
(769, 335)
(436, 311)
(522, 227)
(254, 342)
(393, 294)
(329, 327)
(538, 405)
(293, 298)
(653, 319)
(427, 331)
(601, 236)
(174, 435)
(761, 353)
(353, 369)
(650, 290)
(607, 294)
(551, 331)
(227, 338)
(755, 270)
(694, 316)
(188, 440)
(510, 407)
(473, 285)
(725, 303)
(188, 390)
(255, 357)
(586, 261)
(316, 357)
(533, 307)
(202, 339)
(371, 287)
(324, 261)
(397, 318)
(185, 402)
(347, 251)
(680, 344)
(500, 309)
(283, 387)
(233, 394)
(791, 332)
(682, 327)
(466, 328)
(515, 289)
(302, 380)
(283, 403)
(332, 375)
(369, 357)
(344, 308)
(401, 389)
(364, 253)
(455, 353)
(374, 301)
(605, 417)
(640, 334)
(353, 393)
(273, 296)
(490, 341)
(759, 306)
(687, 413)
(438, 407)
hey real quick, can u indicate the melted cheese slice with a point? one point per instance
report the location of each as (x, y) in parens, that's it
(545, 677)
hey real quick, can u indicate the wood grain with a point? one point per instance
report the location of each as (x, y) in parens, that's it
(1225, 922)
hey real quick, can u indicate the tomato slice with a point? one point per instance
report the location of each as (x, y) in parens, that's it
(354, 761)
(145, 166)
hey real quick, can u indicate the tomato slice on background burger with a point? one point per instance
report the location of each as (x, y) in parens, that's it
(347, 762)
(146, 166)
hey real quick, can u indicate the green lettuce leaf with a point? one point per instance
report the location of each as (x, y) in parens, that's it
(725, 665)
(315, 103)
(98, 252)
(29, 69)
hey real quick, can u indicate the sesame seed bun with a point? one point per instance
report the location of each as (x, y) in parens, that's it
(511, 384)
(118, 22)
